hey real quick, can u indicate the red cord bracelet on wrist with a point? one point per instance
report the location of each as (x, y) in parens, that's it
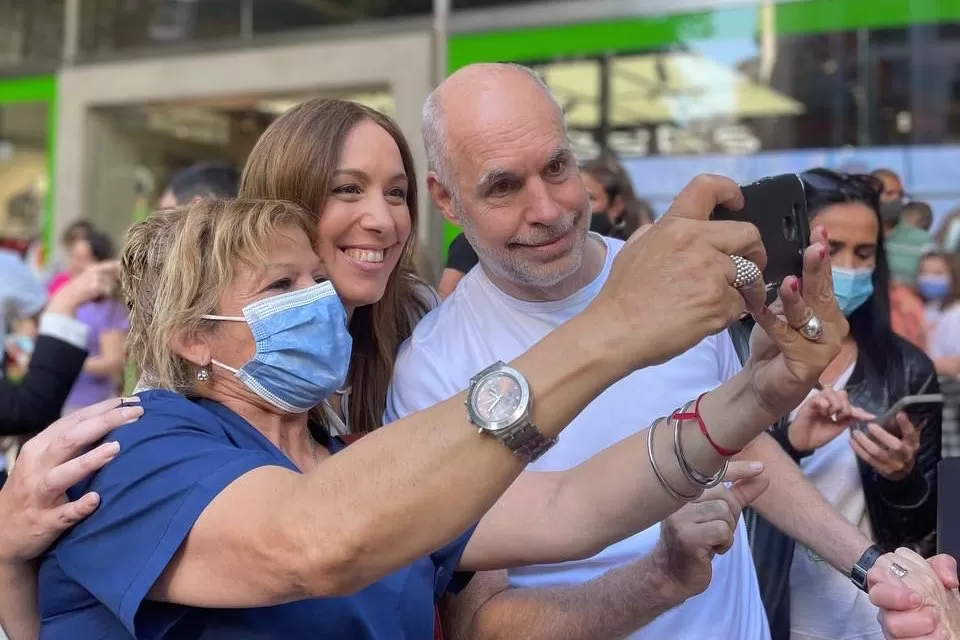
(695, 415)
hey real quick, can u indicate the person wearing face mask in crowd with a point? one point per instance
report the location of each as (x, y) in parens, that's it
(882, 482)
(905, 243)
(616, 210)
(939, 285)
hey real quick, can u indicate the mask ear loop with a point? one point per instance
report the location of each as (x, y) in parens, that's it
(227, 367)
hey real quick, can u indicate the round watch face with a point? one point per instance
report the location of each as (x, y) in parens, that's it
(497, 398)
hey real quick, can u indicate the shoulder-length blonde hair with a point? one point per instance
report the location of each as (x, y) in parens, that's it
(176, 264)
(295, 159)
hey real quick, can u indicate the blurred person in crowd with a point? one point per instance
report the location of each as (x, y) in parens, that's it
(461, 258)
(616, 211)
(107, 324)
(202, 180)
(918, 214)
(76, 230)
(905, 243)
(22, 296)
(892, 190)
(501, 166)
(882, 482)
(253, 527)
(58, 357)
(947, 237)
(939, 285)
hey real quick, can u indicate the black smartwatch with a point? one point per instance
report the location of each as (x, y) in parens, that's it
(858, 575)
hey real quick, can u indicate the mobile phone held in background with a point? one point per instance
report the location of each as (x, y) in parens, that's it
(918, 408)
(777, 206)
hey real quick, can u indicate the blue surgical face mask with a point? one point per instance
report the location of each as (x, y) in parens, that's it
(852, 287)
(303, 347)
(933, 287)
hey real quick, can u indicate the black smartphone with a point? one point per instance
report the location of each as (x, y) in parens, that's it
(919, 408)
(777, 206)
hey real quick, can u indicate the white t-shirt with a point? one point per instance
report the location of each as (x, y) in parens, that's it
(824, 604)
(478, 325)
(945, 338)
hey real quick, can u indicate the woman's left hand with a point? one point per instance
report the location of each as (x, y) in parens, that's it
(890, 456)
(784, 365)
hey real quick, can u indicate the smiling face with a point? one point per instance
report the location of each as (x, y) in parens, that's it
(365, 221)
(518, 193)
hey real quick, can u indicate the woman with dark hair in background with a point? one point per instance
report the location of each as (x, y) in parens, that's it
(75, 231)
(107, 322)
(881, 479)
(617, 212)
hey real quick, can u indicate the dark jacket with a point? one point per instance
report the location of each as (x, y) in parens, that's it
(901, 513)
(37, 400)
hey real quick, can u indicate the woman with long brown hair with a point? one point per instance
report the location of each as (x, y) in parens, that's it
(368, 250)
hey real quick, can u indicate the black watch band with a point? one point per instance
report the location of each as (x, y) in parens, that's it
(858, 575)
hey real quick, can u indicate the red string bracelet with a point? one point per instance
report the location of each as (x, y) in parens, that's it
(678, 415)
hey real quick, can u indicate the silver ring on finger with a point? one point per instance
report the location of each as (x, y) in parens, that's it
(747, 272)
(897, 570)
(812, 329)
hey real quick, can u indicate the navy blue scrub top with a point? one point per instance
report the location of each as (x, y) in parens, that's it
(172, 463)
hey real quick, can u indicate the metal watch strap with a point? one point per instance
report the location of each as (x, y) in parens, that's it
(528, 443)
(858, 575)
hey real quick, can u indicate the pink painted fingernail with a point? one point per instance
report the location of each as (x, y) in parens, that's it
(823, 252)
(795, 285)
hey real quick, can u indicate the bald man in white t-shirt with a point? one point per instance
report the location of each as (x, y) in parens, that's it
(501, 168)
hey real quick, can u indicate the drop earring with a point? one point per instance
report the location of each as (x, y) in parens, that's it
(203, 374)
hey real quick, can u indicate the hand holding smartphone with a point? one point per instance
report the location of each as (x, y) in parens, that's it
(777, 206)
(917, 407)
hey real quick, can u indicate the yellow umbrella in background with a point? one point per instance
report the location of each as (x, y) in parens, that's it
(663, 87)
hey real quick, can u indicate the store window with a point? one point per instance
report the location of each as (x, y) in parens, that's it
(109, 26)
(31, 34)
(857, 88)
(136, 148)
(272, 16)
(754, 90)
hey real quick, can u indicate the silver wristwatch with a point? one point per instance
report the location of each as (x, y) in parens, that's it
(499, 404)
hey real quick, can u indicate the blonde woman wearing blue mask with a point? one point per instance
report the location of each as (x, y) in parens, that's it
(884, 483)
(938, 283)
